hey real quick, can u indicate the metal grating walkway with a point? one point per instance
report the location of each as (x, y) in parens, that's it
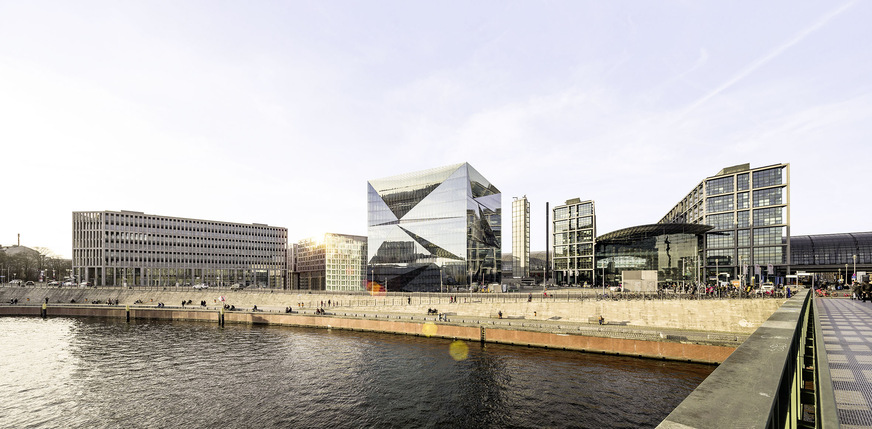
(847, 334)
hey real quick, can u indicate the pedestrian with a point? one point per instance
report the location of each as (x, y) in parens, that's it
(601, 319)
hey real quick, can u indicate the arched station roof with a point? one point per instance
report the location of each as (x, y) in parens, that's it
(640, 232)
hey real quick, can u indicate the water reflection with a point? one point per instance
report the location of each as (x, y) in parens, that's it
(107, 373)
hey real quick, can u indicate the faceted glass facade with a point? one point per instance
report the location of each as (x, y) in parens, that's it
(434, 229)
(574, 232)
(750, 212)
(521, 237)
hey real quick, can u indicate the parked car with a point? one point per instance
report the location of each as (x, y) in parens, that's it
(54, 283)
(85, 284)
(29, 283)
(68, 283)
(237, 286)
(201, 286)
(17, 282)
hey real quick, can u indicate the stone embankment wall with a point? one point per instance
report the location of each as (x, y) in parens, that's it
(741, 316)
(673, 350)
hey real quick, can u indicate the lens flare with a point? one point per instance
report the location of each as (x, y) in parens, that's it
(429, 329)
(376, 289)
(458, 350)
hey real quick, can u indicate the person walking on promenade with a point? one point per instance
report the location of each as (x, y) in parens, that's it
(601, 320)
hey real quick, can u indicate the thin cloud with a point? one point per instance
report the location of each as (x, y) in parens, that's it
(760, 62)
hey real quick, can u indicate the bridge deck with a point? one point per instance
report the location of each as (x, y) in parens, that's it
(847, 333)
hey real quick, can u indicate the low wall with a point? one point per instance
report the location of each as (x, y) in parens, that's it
(717, 315)
(640, 348)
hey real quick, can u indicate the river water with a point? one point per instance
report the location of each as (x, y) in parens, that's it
(106, 373)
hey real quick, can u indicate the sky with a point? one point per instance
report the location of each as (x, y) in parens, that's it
(278, 112)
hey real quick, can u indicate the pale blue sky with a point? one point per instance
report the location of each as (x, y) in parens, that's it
(279, 112)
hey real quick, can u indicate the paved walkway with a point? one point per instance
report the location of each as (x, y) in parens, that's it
(847, 331)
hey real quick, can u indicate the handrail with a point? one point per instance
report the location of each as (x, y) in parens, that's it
(759, 385)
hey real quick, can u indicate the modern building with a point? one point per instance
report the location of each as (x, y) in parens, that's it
(574, 232)
(749, 210)
(334, 262)
(126, 248)
(521, 238)
(671, 249)
(832, 257)
(434, 230)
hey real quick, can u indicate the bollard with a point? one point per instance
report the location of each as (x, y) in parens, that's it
(127, 307)
(221, 317)
(44, 305)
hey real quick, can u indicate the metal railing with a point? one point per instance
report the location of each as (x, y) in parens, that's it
(770, 380)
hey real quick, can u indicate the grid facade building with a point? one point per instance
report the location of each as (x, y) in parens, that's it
(749, 210)
(574, 233)
(336, 262)
(125, 248)
(521, 237)
(434, 229)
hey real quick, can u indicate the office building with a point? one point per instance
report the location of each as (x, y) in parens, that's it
(521, 237)
(574, 232)
(432, 230)
(749, 210)
(125, 248)
(334, 262)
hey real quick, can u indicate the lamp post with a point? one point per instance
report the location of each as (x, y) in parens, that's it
(846, 273)
(855, 268)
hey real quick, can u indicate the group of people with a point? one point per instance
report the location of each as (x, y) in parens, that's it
(861, 291)
(320, 311)
(229, 307)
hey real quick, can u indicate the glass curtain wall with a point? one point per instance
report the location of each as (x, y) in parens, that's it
(432, 230)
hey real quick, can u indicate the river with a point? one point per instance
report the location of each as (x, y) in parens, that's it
(106, 373)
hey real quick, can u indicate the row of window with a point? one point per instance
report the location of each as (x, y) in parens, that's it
(761, 179)
(761, 198)
(744, 219)
(733, 257)
(742, 238)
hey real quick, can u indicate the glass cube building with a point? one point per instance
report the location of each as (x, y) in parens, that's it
(433, 230)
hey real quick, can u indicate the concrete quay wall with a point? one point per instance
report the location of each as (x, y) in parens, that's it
(673, 350)
(741, 316)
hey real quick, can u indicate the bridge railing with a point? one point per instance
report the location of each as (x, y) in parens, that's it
(769, 380)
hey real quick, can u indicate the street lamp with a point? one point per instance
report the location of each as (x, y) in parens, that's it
(855, 267)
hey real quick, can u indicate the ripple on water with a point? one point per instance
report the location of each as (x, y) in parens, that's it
(107, 373)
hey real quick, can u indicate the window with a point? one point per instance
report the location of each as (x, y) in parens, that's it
(744, 237)
(722, 257)
(743, 219)
(720, 239)
(742, 201)
(723, 185)
(769, 255)
(773, 216)
(721, 221)
(742, 182)
(768, 177)
(770, 236)
(767, 197)
(719, 204)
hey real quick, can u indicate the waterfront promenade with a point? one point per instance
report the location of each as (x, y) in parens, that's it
(706, 330)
